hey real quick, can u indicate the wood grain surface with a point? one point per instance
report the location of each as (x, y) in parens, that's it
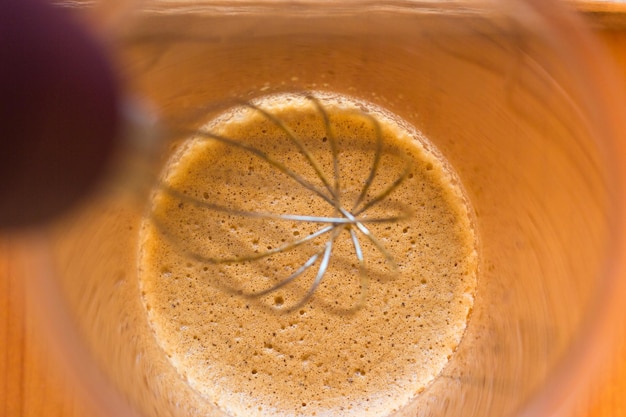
(33, 385)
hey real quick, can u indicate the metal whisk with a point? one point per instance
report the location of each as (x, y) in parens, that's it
(345, 215)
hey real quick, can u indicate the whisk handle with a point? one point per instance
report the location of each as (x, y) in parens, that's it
(59, 118)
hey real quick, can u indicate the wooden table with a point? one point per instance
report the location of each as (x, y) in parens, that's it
(33, 385)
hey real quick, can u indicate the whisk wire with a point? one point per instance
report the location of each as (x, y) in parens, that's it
(272, 216)
(328, 248)
(385, 193)
(381, 248)
(374, 169)
(276, 164)
(342, 219)
(301, 148)
(309, 263)
(362, 269)
(333, 148)
(245, 258)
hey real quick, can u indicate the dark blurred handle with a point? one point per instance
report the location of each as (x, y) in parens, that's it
(59, 118)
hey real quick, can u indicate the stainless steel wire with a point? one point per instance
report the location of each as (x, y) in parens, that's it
(349, 218)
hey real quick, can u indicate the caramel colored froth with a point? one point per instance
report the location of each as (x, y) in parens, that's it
(373, 335)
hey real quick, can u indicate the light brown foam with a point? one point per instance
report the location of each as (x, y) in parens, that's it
(241, 353)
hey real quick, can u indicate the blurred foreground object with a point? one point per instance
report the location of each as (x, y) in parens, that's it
(59, 118)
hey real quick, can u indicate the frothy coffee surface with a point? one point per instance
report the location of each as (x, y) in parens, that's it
(201, 259)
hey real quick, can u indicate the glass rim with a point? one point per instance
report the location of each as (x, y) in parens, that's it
(582, 361)
(595, 335)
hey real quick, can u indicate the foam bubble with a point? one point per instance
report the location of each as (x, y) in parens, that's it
(240, 352)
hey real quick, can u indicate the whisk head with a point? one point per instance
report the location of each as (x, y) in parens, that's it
(280, 196)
